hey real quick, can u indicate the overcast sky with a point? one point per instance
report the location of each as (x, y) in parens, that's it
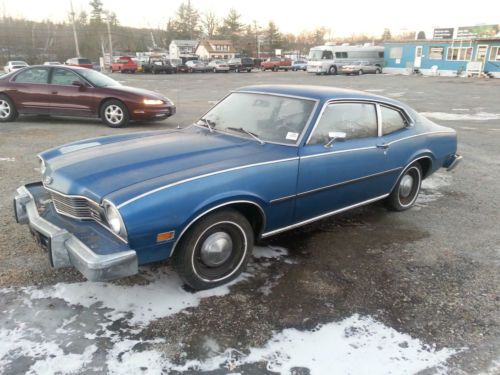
(343, 17)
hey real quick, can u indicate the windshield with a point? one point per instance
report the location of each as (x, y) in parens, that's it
(271, 118)
(315, 55)
(21, 63)
(97, 79)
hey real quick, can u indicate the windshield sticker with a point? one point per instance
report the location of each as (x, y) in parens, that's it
(292, 136)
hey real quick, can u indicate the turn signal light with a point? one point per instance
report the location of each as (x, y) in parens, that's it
(165, 236)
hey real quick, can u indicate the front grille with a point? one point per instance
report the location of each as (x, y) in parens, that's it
(76, 207)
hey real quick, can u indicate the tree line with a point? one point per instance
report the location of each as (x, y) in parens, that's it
(42, 41)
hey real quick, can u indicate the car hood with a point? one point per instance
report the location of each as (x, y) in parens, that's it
(137, 91)
(140, 162)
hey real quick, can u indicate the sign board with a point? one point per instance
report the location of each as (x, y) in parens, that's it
(480, 31)
(277, 52)
(444, 33)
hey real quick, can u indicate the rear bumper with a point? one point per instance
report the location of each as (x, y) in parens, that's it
(452, 162)
(85, 245)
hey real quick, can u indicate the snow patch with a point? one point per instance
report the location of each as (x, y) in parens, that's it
(356, 345)
(479, 116)
(275, 252)
(461, 109)
(138, 304)
(49, 358)
(375, 90)
(8, 159)
(431, 186)
(396, 94)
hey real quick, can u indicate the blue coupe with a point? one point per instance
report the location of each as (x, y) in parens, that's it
(264, 160)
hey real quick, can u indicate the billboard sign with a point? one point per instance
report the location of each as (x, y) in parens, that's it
(480, 31)
(444, 33)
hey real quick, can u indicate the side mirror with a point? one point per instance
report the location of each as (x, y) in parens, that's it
(335, 136)
(77, 83)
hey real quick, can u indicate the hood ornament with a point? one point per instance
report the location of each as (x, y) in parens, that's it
(47, 180)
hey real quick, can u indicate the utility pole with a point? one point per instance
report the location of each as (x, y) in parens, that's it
(74, 29)
(108, 21)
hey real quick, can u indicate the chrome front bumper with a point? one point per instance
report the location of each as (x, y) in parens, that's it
(453, 161)
(94, 251)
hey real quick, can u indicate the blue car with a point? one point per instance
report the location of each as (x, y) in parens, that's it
(299, 65)
(264, 160)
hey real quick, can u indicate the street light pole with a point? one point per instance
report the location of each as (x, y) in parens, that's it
(108, 21)
(74, 29)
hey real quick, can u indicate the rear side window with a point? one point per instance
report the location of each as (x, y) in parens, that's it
(84, 61)
(33, 75)
(392, 120)
(357, 120)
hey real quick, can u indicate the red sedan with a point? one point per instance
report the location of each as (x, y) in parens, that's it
(81, 92)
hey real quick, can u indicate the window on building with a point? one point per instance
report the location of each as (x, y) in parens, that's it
(392, 120)
(357, 120)
(436, 53)
(459, 53)
(396, 52)
(495, 53)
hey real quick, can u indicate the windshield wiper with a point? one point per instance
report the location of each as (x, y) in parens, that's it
(207, 123)
(253, 135)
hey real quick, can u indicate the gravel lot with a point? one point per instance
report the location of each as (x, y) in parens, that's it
(430, 273)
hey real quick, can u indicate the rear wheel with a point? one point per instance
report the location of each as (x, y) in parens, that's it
(332, 70)
(360, 72)
(406, 191)
(378, 71)
(215, 250)
(8, 110)
(114, 114)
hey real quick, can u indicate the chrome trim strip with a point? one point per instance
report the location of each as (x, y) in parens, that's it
(202, 176)
(276, 231)
(337, 152)
(379, 120)
(419, 135)
(338, 184)
(264, 219)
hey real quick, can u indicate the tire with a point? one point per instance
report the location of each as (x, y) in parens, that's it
(215, 70)
(226, 230)
(360, 72)
(275, 69)
(8, 110)
(406, 190)
(114, 113)
(237, 70)
(249, 70)
(378, 71)
(332, 70)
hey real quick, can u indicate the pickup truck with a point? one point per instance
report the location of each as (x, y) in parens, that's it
(275, 64)
(124, 64)
(157, 65)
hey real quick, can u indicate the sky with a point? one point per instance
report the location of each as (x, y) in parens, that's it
(343, 18)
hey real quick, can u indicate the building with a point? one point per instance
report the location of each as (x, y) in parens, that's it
(182, 48)
(215, 49)
(444, 57)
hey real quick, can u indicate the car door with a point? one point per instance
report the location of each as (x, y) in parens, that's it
(69, 99)
(30, 91)
(350, 172)
(398, 136)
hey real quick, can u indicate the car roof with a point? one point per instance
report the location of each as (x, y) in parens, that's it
(323, 93)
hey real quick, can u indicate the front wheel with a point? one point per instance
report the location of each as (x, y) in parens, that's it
(114, 114)
(7, 109)
(215, 250)
(405, 193)
(332, 70)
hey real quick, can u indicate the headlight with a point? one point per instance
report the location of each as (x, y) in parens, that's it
(153, 101)
(114, 219)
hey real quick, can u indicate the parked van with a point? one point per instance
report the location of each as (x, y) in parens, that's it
(329, 59)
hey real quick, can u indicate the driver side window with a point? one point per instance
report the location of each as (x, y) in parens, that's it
(63, 77)
(357, 120)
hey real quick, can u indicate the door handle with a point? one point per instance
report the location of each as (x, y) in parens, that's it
(54, 92)
(383, 146)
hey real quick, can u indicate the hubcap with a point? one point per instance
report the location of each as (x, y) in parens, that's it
(114, 114)
(4, 109)
(406, 185)
(216, 249)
